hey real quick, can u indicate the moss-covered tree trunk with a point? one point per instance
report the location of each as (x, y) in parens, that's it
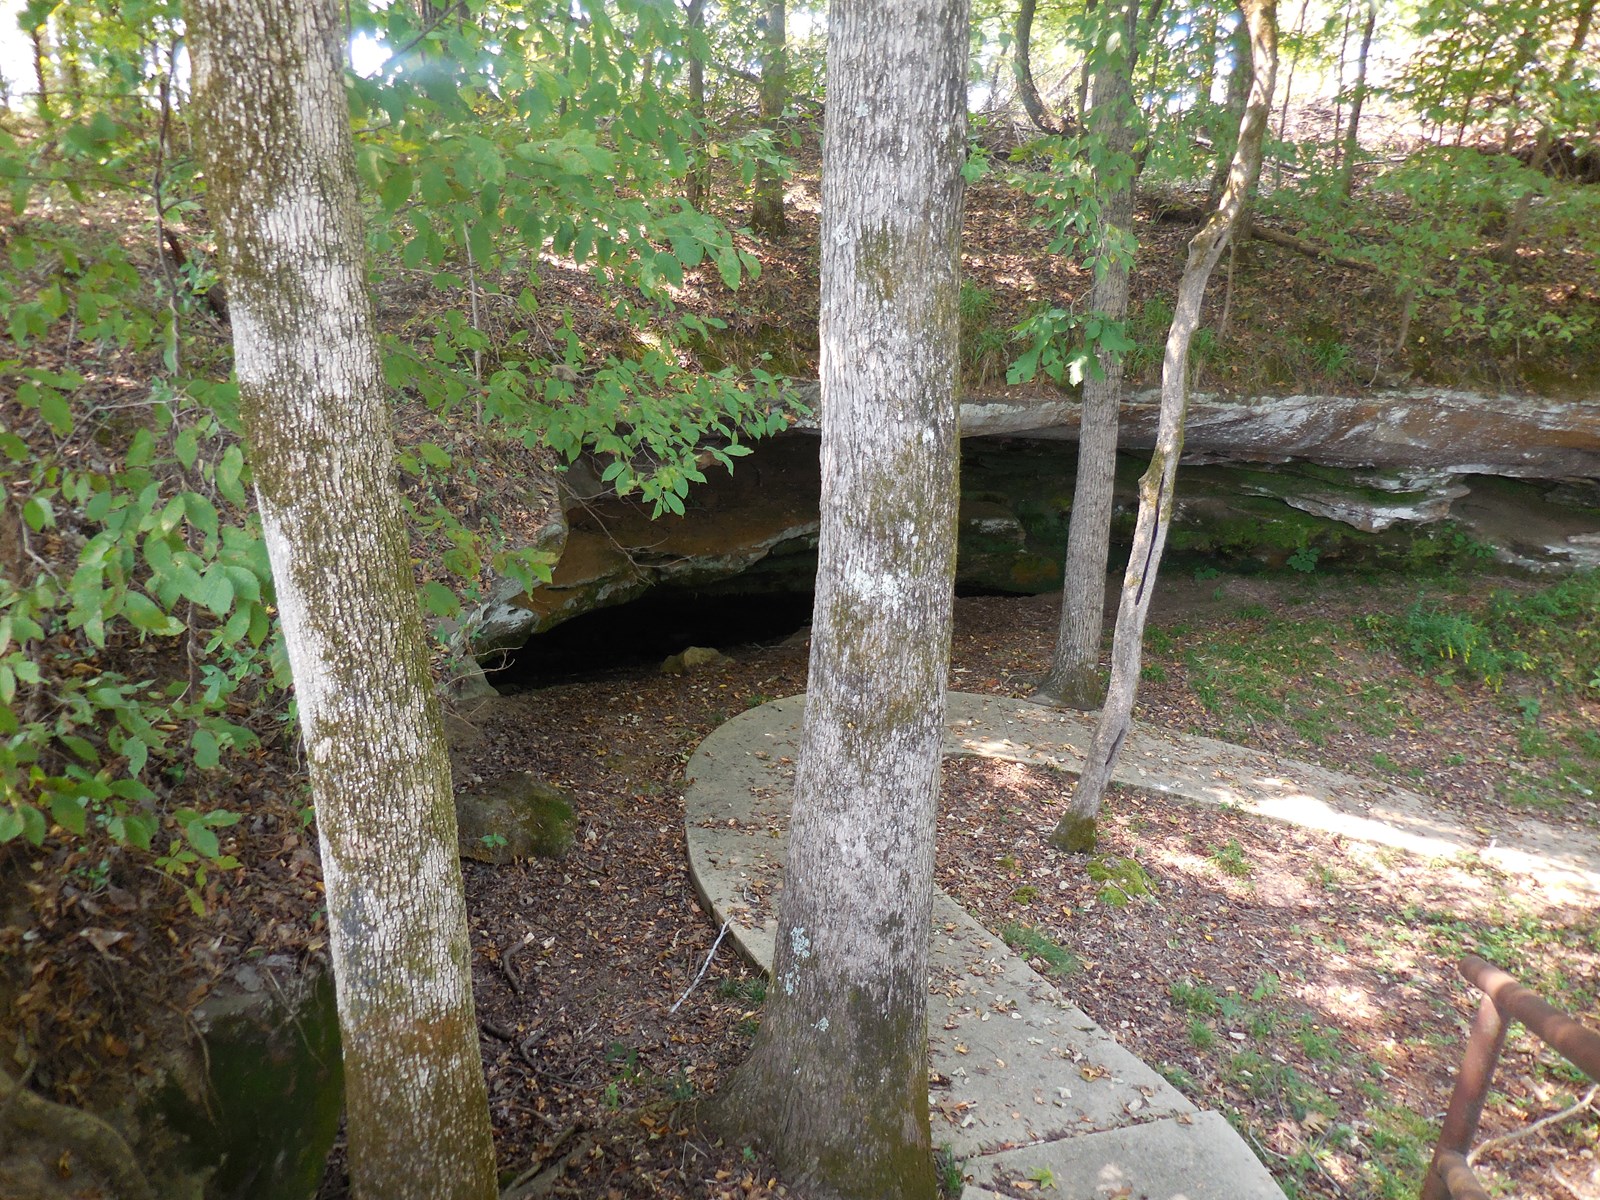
(1074, 675)
(836, 1087)
(1076, 831)
(281, 189)
(767, 214)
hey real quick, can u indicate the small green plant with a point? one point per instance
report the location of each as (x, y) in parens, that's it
(1201, 1035)
(1035, 946)
(1193, 997)
(1319, 1044)
(1304, 559)
(951, 1171)
(1025, 895)
(493, 841)
(751, 990)
(612, 1096)
(1330, 355)
(1230, 859)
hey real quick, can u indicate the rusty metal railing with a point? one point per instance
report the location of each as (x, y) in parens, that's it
(1504, 1001)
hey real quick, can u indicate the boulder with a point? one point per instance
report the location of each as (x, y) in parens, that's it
(514, 816)
(695, 658)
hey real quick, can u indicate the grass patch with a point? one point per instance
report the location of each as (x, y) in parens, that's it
(1059, 962)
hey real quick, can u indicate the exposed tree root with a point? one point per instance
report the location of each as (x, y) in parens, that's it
(100, 1148)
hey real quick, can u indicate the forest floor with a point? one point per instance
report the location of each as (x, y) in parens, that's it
(1302, 984)
(580, 961)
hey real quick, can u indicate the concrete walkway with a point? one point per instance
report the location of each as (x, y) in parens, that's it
(1022, 1079)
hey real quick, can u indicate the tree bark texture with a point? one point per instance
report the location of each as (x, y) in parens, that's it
(836, 1085)
(767, 215)
(1076, 829)
(281, 185)
(1074, 675)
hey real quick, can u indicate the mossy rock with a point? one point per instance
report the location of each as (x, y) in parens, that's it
(514, 816)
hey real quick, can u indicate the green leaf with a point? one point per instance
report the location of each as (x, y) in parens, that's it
(10, 825)
(138, 754)
(68, 811)
(83, 748)
(187, 448)
(141, 449)
(148, 616)
(207, 753)
(33, 824)
(38, 512)
(215, 591)
(396, 189)
(202, 839)
(439, 600)
(136, 830)
(228, 473)
(201, 512)
(53, 407)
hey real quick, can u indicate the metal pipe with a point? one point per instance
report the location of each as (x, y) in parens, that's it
(1504, 1000)
(1459, 1181)
(1487, 1039)
(1575, 1042)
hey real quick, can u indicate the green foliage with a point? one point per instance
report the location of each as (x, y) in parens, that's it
(521, 141)
(135, 621)
(1230, 859)
(1196, 998)
(1551, 635)
(1059, 962)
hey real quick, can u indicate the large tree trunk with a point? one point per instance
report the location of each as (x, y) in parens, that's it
(767, 216)
(836, 1087)
(1074, 675)
(281, 184)
(1076, 831)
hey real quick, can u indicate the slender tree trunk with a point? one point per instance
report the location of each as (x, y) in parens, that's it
(1358, 100)
(1288, 84)
(699, 166)
(1238, 96)
(836, 1087)
(281, 173)
(1022, 70)
(1207, 34)
(1580, 37)
(41, 103)
(1074, 675)
(1076, 831)
(767, 216)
